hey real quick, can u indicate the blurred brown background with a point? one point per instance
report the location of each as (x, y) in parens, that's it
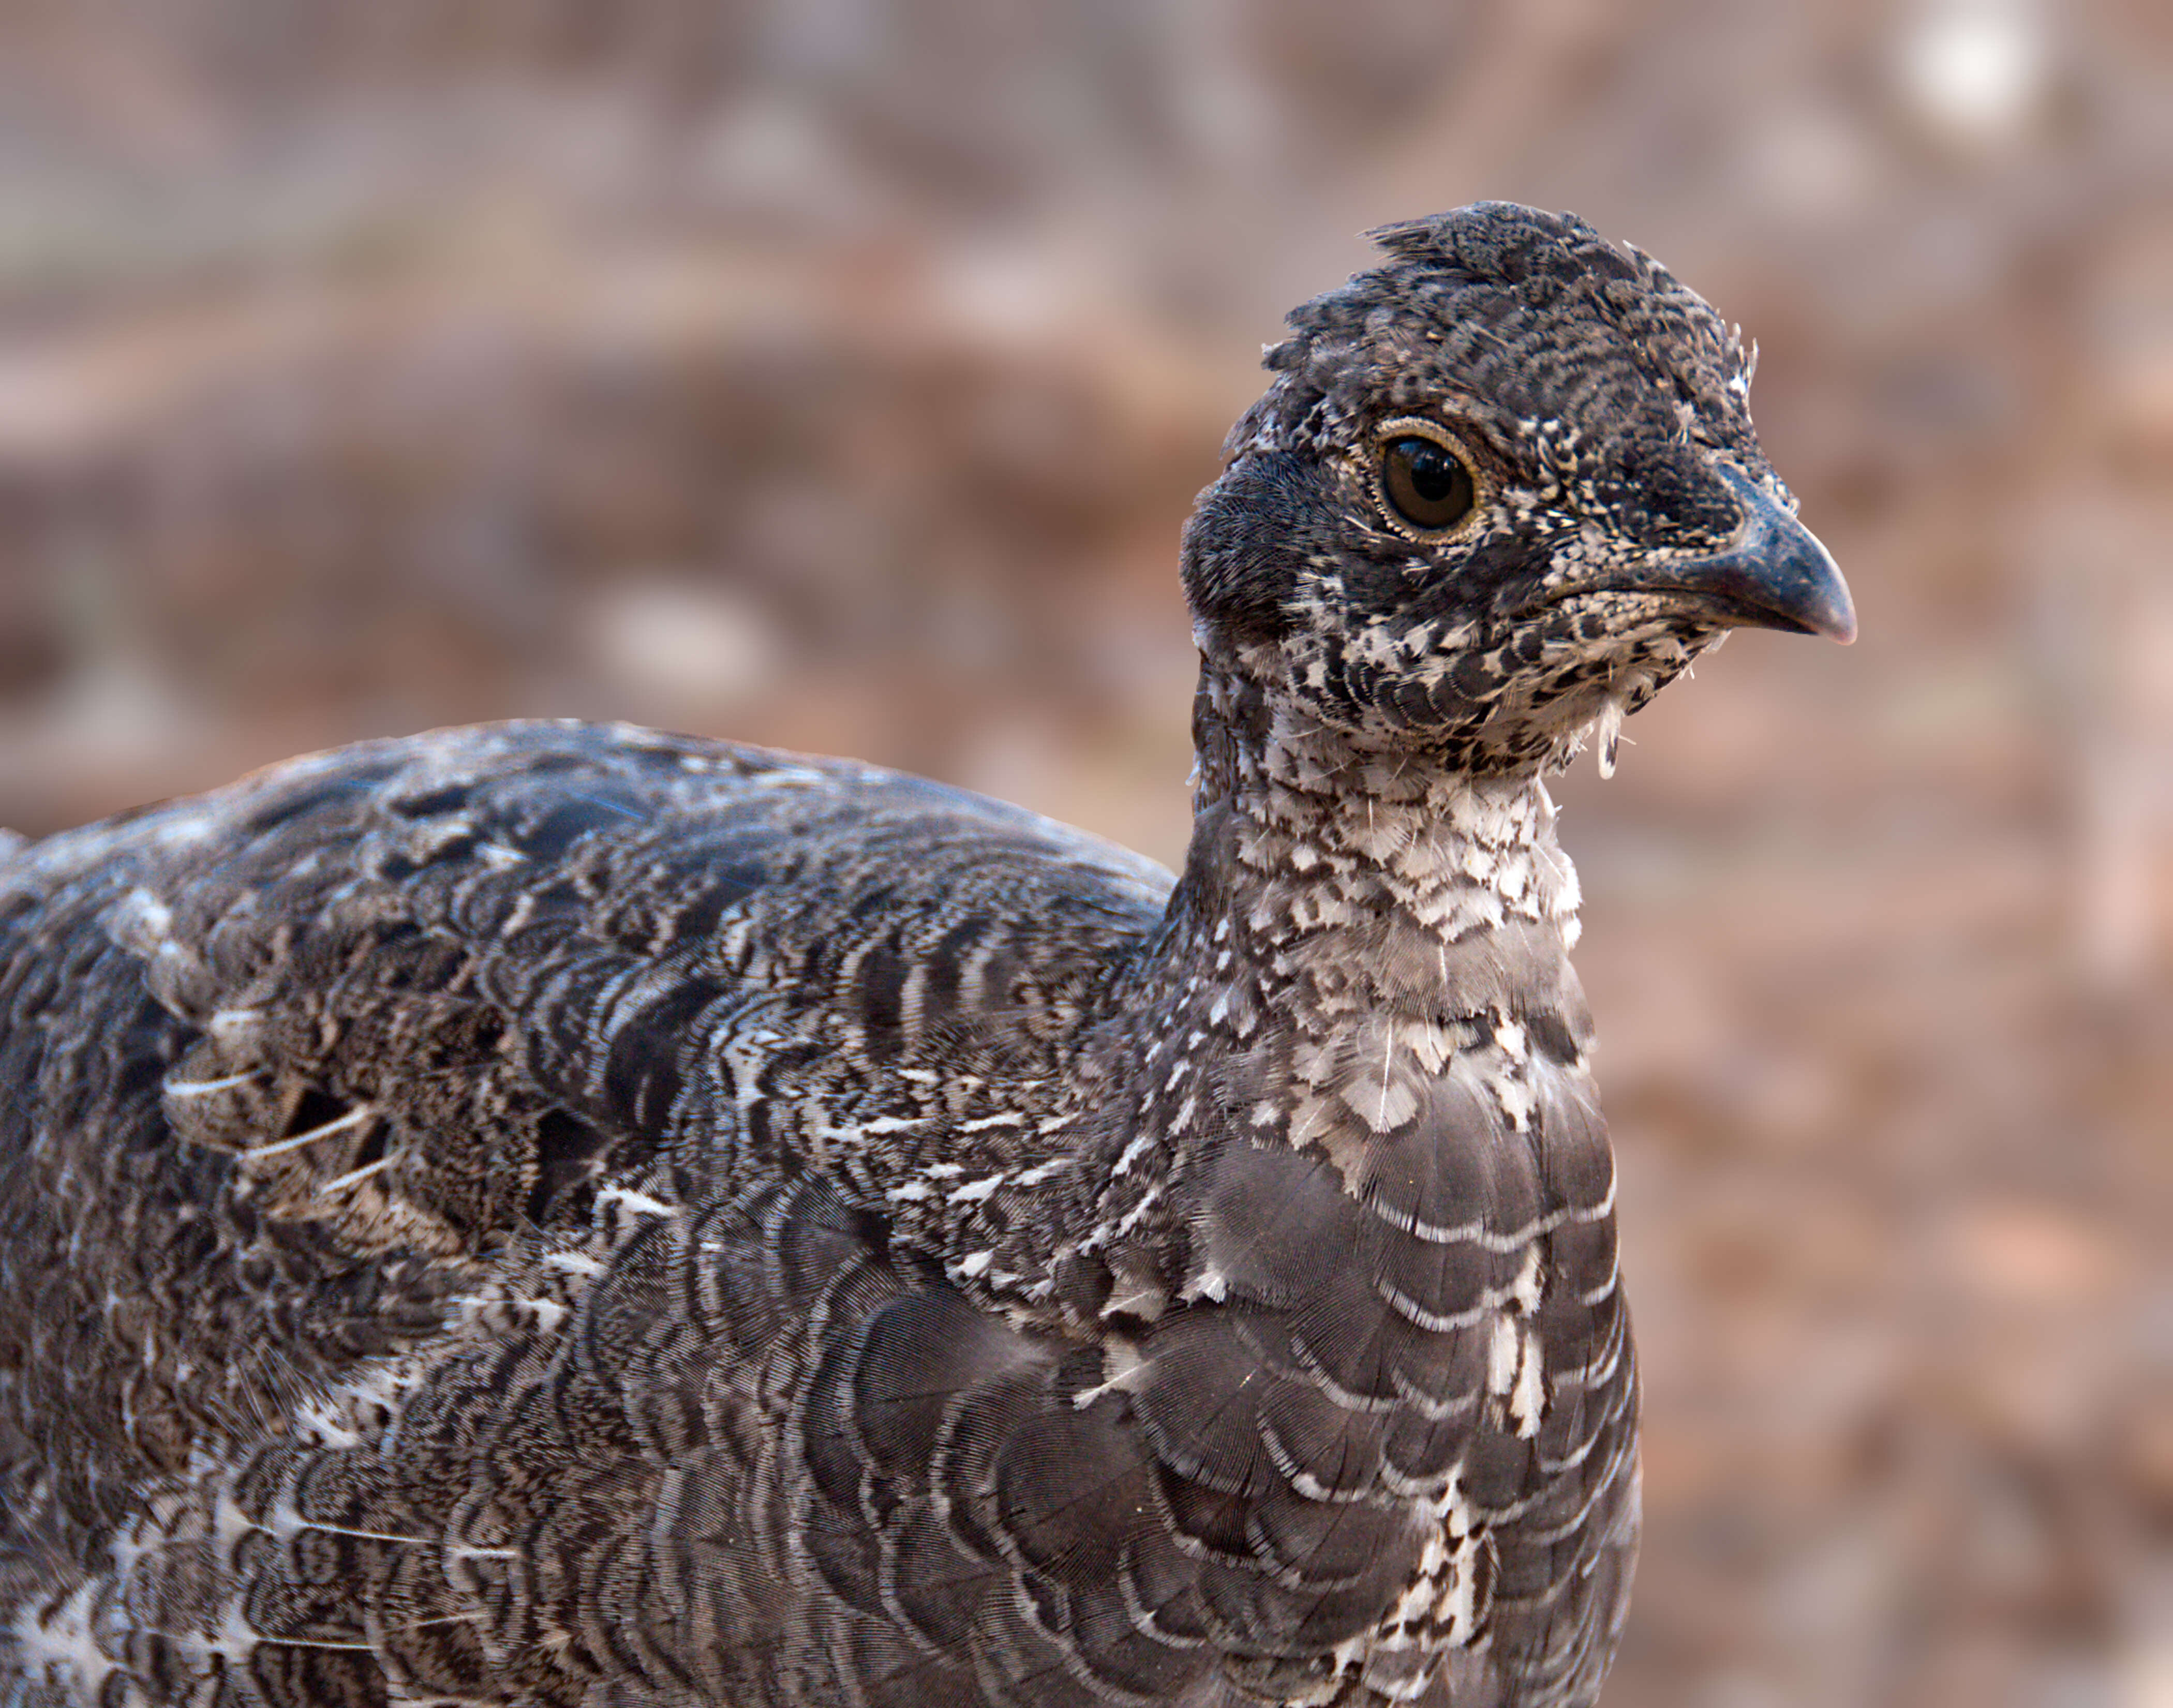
(837, 373)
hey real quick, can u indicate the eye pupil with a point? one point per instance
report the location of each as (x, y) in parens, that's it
(1428, 484)
(1433, 472)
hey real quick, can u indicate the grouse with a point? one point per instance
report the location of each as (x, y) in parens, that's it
(559, 1213)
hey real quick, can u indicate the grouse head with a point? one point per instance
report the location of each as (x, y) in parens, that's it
(1503, 486)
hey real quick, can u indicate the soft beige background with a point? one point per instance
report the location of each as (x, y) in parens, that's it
(838, 374)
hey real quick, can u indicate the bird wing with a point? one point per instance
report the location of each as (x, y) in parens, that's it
(298, 1069)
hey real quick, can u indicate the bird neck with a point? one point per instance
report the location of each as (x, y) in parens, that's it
(1312, 844)
(1345, 913)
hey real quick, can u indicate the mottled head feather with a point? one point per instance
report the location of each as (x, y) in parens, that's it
(1601, 403)
(1533, 314)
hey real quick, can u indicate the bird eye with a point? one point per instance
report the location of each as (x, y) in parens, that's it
(1426, 483)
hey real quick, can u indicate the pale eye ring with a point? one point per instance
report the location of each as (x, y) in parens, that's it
(1424, 480)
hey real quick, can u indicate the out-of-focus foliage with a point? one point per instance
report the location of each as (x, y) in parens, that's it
(837, 373)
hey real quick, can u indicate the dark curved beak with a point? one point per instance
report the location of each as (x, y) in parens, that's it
(1776, 575)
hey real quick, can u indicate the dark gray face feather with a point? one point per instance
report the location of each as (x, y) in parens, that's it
(1625, 515)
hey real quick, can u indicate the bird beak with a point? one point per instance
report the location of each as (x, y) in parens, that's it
(1776, 575)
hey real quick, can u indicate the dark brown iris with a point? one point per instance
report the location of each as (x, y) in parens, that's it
(1429, 485)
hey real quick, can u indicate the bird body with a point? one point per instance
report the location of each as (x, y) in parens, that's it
(561, 1214)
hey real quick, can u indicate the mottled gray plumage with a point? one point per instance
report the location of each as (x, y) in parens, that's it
(560, 1214)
